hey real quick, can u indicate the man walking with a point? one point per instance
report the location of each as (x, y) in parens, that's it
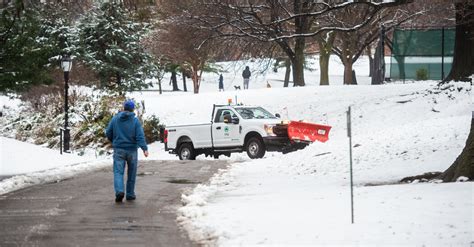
(246, 76)
(126, 134)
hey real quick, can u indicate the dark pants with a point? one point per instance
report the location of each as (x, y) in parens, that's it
(246, 83)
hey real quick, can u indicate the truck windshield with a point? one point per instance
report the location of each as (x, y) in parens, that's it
(254, 113)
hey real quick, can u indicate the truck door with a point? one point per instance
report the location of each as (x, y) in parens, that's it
(225, 134)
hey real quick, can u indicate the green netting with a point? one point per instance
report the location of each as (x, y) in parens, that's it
(418, 54)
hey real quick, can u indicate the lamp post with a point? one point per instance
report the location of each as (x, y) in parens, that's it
(66, 65)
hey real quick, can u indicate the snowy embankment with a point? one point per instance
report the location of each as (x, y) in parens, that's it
(304, 197)
(37, 165)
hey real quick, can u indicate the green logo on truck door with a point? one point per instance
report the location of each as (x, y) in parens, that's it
(226, 131)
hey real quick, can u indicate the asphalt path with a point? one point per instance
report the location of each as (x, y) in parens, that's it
(81, 211)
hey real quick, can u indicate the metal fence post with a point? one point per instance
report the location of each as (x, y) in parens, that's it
(349, 134)
(442, 53)
(61, 141)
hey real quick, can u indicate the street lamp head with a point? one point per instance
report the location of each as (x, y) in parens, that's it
(66, 63)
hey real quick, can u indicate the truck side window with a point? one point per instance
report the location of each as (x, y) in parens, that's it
(220, 115)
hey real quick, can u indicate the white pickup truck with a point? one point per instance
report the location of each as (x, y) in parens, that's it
(238, 128)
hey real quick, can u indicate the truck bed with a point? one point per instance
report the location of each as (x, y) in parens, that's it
(200, 133)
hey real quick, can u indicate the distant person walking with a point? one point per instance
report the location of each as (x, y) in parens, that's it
(246, 75)
(221, 83)
(126, 134)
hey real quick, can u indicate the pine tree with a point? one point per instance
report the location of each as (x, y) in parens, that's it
(109, 42)
(57, 33)
(31, 41)
(22, 62)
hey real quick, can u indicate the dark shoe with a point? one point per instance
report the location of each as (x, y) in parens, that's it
(119, 197)
(131, 198)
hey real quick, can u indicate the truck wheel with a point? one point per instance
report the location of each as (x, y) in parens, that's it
(186, 151)
(255, 148)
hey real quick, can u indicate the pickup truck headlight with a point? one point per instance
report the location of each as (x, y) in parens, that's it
(269, 129)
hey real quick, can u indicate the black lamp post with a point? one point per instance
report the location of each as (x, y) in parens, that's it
(66, 65)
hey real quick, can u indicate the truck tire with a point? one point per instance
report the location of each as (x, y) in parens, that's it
(186, 151)
(255, 148)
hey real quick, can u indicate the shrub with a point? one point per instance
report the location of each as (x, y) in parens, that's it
(151, 127)
(94, 117)
(421, 74)
(42, 115)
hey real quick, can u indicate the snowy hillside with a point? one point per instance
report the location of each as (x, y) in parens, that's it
(303, 197)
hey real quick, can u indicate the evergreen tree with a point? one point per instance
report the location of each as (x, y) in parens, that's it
(57, 34)
(109, 42)
(22, 62)
(31, 41)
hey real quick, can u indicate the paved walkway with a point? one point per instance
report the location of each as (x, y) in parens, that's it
(82, 212)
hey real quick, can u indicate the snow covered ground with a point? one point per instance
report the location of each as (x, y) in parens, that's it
(23, 164)
(304, 197)
(34, 157)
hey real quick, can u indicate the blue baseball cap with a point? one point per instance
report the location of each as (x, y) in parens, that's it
(129, 105)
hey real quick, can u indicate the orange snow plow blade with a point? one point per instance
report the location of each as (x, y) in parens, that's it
(308, 131)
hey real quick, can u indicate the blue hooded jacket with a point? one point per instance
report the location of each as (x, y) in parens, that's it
(126, 132)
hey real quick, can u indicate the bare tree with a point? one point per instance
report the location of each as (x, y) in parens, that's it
(285, 23)
(179, 40)
(462, 68)
(349, 46)
(181, 45)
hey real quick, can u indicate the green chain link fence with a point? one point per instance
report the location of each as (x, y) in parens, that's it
(421, 54)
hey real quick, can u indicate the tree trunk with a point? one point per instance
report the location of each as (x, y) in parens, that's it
(298, 63)
(464, 164)
(463, 60)
(301, 26)
(354, 77)
(378, 66)
(195, 83)
(371, 62)
(119, 79)
(119, 83)
(347, 57)
(287, 72)
(325, 48)
(324, 68)
(174, 81)
(196, 80)
(184, 81)
(159, 87)
(348, 71)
